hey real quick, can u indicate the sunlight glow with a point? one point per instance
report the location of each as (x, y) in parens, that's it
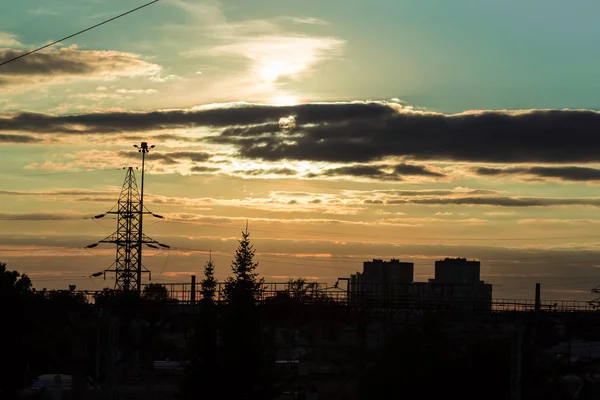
(271, 70)
(284, 100)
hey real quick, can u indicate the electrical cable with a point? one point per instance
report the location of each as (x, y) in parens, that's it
(63, 278)
(156, 222)
(95, 220)
(165, 264)
(60, 173)
(379, 237)
(96, 255)
(361, 257)
(255, 180)
(334, 259)
(77, 33)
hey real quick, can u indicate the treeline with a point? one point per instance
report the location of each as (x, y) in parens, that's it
(231, 353)
(38, 330)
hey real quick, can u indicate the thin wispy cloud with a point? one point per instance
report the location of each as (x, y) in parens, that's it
(44, 11)
(270, 49)
(9, 40)
(279, 56)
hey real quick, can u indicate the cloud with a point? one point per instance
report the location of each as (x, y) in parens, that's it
(170, 158)
(309, 20)
(164, 79)
(44, 11)
(136, 91)
(532, 136)
(500, 213)
(380, 172)
(556, 221)
(9, 40)
(236, 119)
(203, 169)
(355, 132)
(39, 216)
(18, 139)
(419, 170)
(361, 171)
(261, 53)
(422, 193)
(275, 56)
(501, 201)
(69, 63)
(163, 138)
(272, 171)
(564, 173)
(195, 156)
(58, 192)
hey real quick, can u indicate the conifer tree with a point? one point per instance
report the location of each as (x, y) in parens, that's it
(243, 288)
(203, 373)
(244, 354)
(209, 284)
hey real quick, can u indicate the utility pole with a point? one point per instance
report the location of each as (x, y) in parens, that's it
(143, 148)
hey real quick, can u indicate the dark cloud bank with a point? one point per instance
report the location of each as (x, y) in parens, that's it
(566, 173)
(171, 158)
(356, 132)
(502, 201)
(379, 171)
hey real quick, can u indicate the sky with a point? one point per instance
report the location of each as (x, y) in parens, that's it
(341, 131)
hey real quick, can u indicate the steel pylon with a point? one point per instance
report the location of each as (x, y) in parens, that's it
(127, 237)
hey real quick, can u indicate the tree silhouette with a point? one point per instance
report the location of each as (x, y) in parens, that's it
(155, 292)
(243, 288)
(297, 287)
(15, 308)
(244, 352)
(204, 370)
(209, 284)
(13, 283)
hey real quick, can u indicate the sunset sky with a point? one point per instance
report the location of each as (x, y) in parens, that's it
(341, 130)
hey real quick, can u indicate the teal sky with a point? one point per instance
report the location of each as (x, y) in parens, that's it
(447, 56)
(420, 58)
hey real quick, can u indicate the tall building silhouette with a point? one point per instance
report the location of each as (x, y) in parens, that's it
(457, 282)
(457, 270)
(379, 278)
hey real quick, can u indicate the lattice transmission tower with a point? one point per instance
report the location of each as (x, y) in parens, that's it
(596, 302)
(129, 237)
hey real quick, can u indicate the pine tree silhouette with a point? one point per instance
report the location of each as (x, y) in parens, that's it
(204, 372)
(244, 355)
(209, 284)
(243, 288)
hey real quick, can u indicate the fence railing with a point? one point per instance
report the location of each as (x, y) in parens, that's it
(188, 293)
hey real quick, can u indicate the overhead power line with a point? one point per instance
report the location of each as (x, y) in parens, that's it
(60, 172)
(366, 236)
(78, 33)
